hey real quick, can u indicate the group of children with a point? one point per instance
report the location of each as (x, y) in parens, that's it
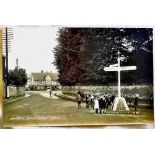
(96, 103)
(101, 103)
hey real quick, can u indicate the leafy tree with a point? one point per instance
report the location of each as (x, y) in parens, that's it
(82, 54)
(18, 77)
(68, 55)
(102, 47)
(142, 41)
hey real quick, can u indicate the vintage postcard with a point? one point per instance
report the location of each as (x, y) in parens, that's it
(76, 76)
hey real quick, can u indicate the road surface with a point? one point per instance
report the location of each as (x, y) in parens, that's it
(41, 110)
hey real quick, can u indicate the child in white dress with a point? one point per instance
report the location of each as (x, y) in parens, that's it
(96, 105)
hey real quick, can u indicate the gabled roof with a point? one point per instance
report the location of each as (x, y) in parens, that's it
(41, 76)
(54, 76)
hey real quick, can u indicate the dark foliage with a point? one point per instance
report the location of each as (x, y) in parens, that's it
(17, 77)
(82, 54)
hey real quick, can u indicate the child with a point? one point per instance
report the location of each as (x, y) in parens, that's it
(78, 98)
(136, 100)
(96, 105)
(87, 101)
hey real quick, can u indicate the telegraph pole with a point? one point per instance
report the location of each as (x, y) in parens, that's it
(1, 80)
(6, 69)
(7, 36)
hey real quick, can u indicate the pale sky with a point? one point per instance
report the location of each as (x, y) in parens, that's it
(33, 46)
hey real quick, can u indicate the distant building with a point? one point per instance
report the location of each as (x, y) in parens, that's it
(43, 81)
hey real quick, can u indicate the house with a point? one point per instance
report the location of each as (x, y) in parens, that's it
(43, 81)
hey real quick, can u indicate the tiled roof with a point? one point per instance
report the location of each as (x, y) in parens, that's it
(41, 76)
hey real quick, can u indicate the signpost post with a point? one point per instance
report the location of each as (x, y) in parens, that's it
(118, 68)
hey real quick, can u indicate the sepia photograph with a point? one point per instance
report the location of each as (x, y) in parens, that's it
(76, 76)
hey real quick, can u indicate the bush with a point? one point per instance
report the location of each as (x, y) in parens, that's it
(144, 91)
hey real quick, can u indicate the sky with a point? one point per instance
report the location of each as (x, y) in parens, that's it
(33, 46)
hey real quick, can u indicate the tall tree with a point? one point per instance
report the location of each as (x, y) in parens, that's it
(102, 47)
(82, 54)
(68, 55)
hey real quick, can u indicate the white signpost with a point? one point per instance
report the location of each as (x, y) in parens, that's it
(118, 68)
